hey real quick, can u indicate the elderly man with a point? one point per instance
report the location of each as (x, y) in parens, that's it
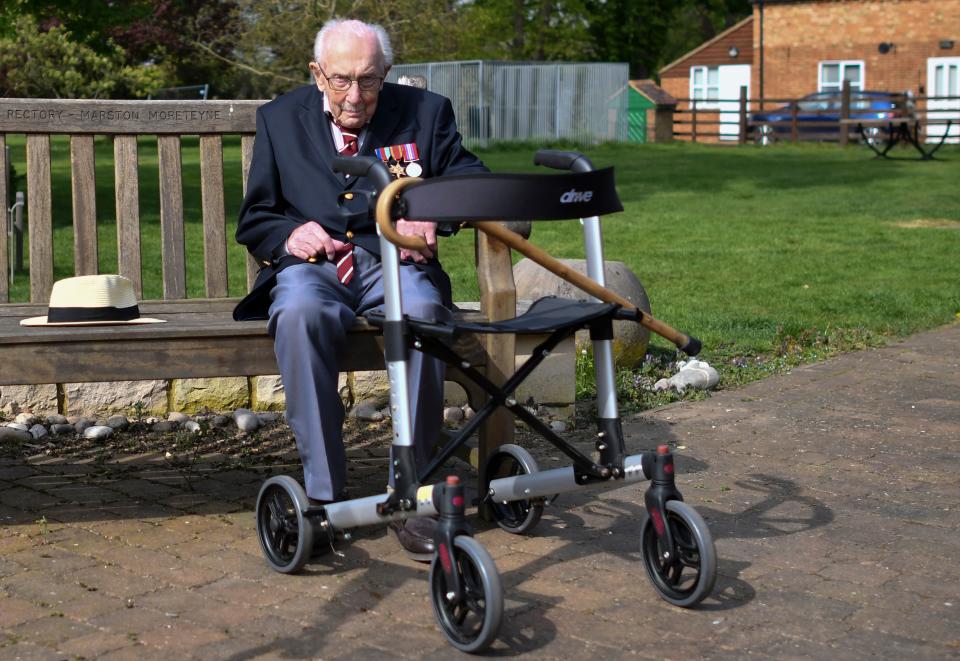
(307, 227)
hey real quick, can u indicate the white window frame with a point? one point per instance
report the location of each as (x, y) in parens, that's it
(843, 64)
(701, 93)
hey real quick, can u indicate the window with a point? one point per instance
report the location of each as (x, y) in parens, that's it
(832, 75)
(705, 85)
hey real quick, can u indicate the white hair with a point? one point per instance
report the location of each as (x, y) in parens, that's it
(357, 28)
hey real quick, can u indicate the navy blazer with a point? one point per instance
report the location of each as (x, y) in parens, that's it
(292, 181)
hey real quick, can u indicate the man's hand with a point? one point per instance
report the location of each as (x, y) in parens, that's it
(311, 240)
(422, 228)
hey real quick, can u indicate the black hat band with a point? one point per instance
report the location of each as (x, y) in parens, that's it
(74, 315)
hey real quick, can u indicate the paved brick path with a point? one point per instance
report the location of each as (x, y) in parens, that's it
(832, 493)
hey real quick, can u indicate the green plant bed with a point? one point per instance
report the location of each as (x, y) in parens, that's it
(771, 256)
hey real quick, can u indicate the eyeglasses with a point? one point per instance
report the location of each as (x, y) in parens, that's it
(343, 83)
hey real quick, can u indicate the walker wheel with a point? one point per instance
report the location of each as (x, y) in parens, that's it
(472, 624)
(519, 516)
(688, 573)
(285, 532)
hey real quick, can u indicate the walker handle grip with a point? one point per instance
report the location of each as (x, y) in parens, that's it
(364, 166)
(562, 160)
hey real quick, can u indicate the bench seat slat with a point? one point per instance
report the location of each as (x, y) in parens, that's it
(40, 214)
(195, 341)
(83, 178)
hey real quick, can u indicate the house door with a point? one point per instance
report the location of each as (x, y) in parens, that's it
(731, 78)
(943, 80)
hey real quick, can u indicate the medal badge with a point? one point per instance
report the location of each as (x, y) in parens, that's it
(401, 160)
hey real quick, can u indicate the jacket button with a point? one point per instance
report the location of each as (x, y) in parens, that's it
(348, 196)
(349, 234)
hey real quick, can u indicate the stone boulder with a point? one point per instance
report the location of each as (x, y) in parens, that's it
(630, 338)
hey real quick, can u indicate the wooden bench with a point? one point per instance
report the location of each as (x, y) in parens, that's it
(200, 339)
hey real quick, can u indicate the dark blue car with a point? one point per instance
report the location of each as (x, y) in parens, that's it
(818, 116)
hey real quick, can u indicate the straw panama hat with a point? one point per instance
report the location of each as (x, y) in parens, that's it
(92, 300)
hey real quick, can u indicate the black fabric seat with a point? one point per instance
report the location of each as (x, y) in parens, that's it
(544, 316)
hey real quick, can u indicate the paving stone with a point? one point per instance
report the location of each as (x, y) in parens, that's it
(176, 636)
(28, 651)
(52, 559)
(50, 631)
(113, 581)
(238, 591)
(17, 611)
(94, 645)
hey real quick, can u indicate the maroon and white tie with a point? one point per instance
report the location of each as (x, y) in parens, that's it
(350, 145)
(344, 257)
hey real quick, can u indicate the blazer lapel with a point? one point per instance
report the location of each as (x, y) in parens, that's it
(318, 130)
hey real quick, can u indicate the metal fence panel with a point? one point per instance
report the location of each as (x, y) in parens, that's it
(584, 103)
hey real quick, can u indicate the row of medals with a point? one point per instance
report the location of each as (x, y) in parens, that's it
(399, 169)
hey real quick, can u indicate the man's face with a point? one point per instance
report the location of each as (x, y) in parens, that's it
(350, 56)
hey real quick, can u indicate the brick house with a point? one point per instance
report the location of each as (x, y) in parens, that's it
(801, 46)
(714, 70)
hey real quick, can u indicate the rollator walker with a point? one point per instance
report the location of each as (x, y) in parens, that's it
(465, 589)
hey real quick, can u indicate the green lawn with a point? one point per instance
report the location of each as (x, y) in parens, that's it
(801, 249)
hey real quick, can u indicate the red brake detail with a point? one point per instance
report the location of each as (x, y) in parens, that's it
(458, 501)
(445, 559)
(453, 480)
(663, 449)
(658, 522)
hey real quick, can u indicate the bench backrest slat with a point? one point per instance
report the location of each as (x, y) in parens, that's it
(83, 173)
(214, 216)
(246, 156)
(171, 217)
(106, 117)
(40, 213)
(6, 203)
(127, 190)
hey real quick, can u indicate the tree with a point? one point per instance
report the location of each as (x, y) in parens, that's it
(632, 31)
(526, 30)
(695, 21)
(52, 64)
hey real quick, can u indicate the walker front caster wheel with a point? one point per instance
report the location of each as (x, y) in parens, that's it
(284, 530)
(472, 623)
(518, 516)
(685, 574)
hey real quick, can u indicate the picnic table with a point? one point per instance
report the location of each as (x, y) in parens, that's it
(897, 130)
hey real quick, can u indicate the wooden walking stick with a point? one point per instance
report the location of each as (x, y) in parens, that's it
(686, 343)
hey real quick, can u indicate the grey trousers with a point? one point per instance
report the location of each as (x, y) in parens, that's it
(310, 314)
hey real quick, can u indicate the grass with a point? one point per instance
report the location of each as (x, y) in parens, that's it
(771, 256)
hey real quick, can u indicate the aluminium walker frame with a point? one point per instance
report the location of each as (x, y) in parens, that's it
(465, 586)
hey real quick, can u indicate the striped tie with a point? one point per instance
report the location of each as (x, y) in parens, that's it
(350, 146)
(344, 257)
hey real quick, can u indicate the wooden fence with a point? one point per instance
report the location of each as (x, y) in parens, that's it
(770, 120)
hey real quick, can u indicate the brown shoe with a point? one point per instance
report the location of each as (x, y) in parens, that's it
(416, 537)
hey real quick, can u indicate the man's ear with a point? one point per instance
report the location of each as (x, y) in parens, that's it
(317, 75)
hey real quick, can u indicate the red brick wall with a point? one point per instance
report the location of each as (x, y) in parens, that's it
(798, 36)
(714, 54)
